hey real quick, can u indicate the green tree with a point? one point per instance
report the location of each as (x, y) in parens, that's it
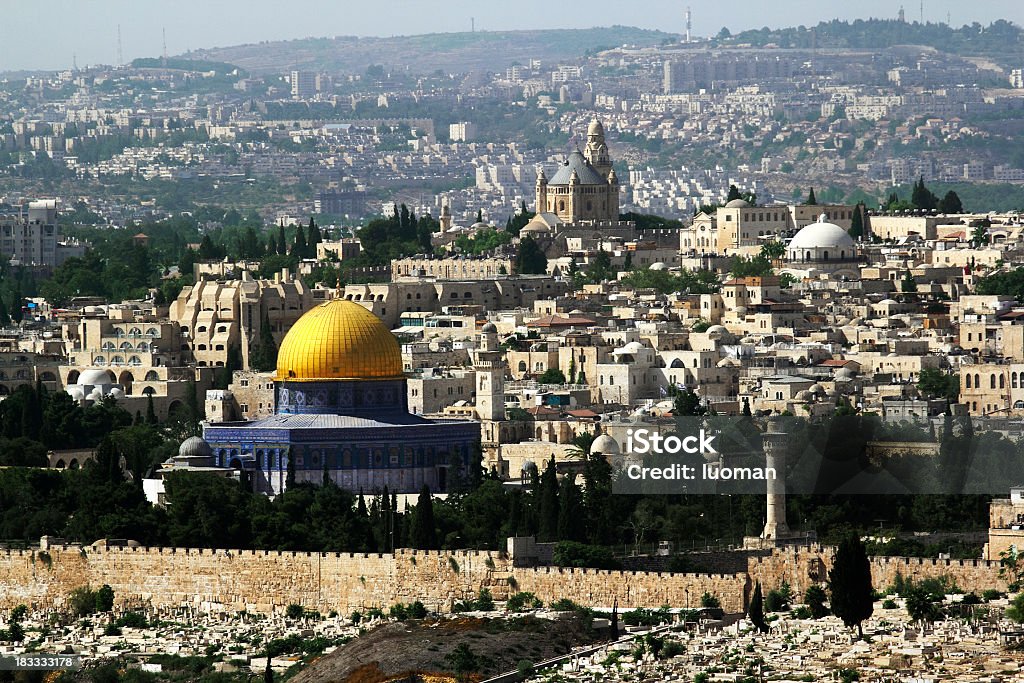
(755, 612)
(909, 284)
(1015, 612)
(548, 503)
(424, 533)
(530, 260)
(857, 222)
(263, 356)
(815, 597)
(811, 200)
(462, 661)
(922, 197)
(950, 203)
(935, 382)
(850, 583)
(552, 376)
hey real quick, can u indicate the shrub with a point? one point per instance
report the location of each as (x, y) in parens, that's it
(356, 617)
(132, 620)
(524, 668)
(104, 598)
(802, 612)
(484, 601)
(82, 601)
(815, 597)
(375, 613)
(672, 649)
(564, 605)
(417, 610)
(775, 601)
(111, 630)
(971, 599)
(294, 611)
(889, 604)
(573, 554)
(991, 594)
(521, 602)
(398, 611)
(454, 564)
(710, 601)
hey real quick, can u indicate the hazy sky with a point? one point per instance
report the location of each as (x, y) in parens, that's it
(47, 35)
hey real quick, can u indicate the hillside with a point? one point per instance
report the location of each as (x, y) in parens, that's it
(400, 650)
(454, 52)
(1001, 40)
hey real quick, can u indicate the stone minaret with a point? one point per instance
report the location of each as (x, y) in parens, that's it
(489, 363)
(774, 443)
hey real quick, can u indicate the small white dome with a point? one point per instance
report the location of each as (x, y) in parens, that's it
(717, 330)
(817, 389)
(804, 395)
(632, 347)
(116, 392)
(605, 445)
(737, 204)
(95, 395)
(94, 377)
(490, 328)
(845, 373)
(659, 265)
(822, 236)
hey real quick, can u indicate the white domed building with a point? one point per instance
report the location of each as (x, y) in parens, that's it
(823, 248)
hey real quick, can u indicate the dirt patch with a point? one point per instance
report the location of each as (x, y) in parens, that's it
(421, 651)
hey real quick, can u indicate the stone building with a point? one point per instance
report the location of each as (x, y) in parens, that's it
(216, 316)
(585, 187)
(341, 413)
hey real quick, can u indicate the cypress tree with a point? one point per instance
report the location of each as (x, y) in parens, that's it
(299, 247)
(5, 317)
(756, 610)
(424, 536)
(313, 236)
(271, 245)
(150, 411)
(850, 583)
(548, 503)
(857, 222)
(282, 240)
(811, 200)
(570, 512)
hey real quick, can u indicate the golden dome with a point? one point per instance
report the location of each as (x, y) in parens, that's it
(338, 339)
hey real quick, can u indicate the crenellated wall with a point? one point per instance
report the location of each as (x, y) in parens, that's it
(804, 565)
(262, 581)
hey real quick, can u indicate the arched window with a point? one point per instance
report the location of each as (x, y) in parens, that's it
(977, 381)
(126, 346)
(1002, 381)
(992, 382)
(152, 376)
(151, 332)
(969, 381)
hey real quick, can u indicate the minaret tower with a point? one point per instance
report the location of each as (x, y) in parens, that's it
(774, 442)
(489, 363)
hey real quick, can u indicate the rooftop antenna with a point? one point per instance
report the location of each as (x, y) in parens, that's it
(74, 62)
(922, 12)
(689, 23)
(472, 24)
(120, 54)
(164, 60)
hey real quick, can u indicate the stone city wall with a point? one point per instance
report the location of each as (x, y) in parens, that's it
(263, 581)
(805, 565)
